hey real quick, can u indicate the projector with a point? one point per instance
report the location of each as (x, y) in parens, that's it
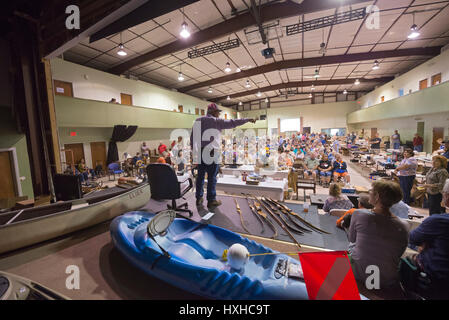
(268, 53)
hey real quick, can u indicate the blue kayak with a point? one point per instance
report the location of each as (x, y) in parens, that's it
(195, 263)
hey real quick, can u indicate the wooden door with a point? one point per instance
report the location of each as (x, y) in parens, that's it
(373, 132)
(436, 79)
(197, 111)
(78, 153)
(63, 88)
(226, 116)
(126, 99)
(181, 108)
(420, 129)
(98, 152)
(437, 134)
(202, 112)
(8, 186)
(423, 84)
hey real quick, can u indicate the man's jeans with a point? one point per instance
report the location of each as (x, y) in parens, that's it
(419, 148)
(396, 145)
(212, 171)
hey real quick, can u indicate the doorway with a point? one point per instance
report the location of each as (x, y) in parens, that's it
(98, 152)
(126, 99)
(436, 79)
(63, 88)
(77, 150)
(8, 185)
(438, 133)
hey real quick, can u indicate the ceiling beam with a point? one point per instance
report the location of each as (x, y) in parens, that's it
(147, 11)
(318, 61)
(268, 12)
(301, 84)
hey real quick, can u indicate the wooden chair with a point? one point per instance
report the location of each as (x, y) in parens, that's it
(337, 212)
(305, 184)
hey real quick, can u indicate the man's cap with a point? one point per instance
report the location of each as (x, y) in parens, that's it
(212, 108)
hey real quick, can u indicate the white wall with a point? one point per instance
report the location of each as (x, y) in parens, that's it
(316, 116)
(93, 84)
(409, 80)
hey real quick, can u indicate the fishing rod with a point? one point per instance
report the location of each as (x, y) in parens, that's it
(281, 209)
(241, 217)
(280, 223)
(290, 211)
(275, 211)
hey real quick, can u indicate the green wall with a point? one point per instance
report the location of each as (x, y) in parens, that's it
(10, 138)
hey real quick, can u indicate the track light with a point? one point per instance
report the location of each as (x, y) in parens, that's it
(209, 90)
(228, 67)
(322, 48)
(180, 76)
(357, 82)
(317, 74)
(121, 51)
(184, 30)
(247, 85)
(376, 65)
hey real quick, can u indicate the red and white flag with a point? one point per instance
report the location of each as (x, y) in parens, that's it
(328, 276)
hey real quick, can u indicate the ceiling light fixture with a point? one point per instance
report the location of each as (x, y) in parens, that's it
(357, 82)
(228, 67)
(210, 90)
(414, 31)
(345, 91)
(185, 33)
(310, 96)
(247, 85)
(259, 94)
(266, 100)
(376, 65)
(238, 70)
(317, 74)
(121, 51)
(313, 87)
(180, 76)
(240, 103)
(228, 98)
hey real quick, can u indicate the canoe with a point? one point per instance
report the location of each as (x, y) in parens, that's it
(13, 287)
(22, 228)
(195, 263)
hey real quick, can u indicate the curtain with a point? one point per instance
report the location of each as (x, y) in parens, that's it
(119, 134)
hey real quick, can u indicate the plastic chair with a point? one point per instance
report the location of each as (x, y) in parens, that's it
(113, 169)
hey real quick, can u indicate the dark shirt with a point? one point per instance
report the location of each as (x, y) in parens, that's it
(375, 143)
(340, 166)
(325, 164)
(434, 232)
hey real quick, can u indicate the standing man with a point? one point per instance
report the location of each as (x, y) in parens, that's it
(375, 142)
(396, 140)
(206, 152)
(418, 143)
(145, 150)
(162, 149)
(407, 174)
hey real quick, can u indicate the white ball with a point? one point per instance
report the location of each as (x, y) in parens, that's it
(238, 255)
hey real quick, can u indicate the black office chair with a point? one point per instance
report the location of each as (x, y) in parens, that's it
(164, 184)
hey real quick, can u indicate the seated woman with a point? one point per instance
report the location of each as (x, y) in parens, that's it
(340, 169)
(380, 237)
(325, 169)
(336, 200)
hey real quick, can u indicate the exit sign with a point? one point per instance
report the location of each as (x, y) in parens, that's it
(73, 134)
